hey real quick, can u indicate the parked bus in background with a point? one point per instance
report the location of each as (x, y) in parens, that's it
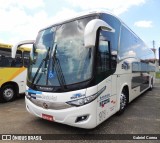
(13, 72)
(85, 69)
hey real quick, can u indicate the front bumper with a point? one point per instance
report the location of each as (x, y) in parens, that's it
(67, 116)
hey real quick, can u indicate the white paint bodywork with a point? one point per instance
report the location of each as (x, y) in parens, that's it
(14, 48)
(91, 30)
(68, 116)
(20, 79)
(111, 96)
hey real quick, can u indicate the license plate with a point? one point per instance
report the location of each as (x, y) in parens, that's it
(47, 117)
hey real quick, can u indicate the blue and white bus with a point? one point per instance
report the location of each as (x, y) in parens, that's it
(85, 69)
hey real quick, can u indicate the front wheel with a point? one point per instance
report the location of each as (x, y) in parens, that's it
(123, 102)
(7, 93)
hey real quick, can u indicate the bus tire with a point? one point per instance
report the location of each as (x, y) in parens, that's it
(7, 93)
(151, 86)
(123, 101)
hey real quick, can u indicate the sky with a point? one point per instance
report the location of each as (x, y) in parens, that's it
(22, 19)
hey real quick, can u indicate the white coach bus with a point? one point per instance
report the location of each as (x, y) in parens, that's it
(85, 69)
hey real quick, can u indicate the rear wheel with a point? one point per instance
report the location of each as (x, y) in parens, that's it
(7, 93)
(151, 86)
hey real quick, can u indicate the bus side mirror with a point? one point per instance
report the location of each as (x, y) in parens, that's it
(14, 48)
(32, 53)
(90, 31)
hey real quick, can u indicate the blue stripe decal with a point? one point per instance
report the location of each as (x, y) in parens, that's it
(33, 91)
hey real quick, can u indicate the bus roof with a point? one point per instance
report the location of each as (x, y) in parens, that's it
(9, 46)
(92, 13)
(2, 45)
(81, 15)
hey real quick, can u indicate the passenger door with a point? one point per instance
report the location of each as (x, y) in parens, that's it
(104, 77)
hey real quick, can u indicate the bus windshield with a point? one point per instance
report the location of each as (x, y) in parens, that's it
(60, 57)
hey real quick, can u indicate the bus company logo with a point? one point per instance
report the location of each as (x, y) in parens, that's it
(104, 97)
(45, 106)
(104, 102)
(78, 95)
(6, 137)
(49, 97)
(45, 88)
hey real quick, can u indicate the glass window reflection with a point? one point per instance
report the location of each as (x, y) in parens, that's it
(62, 46)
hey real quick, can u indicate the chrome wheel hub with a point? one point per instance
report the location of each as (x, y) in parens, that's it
(8, 93)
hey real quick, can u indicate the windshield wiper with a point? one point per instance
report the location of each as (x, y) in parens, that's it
(58, 70)
(44, 60)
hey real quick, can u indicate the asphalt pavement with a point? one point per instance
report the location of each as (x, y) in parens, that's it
(142, 116)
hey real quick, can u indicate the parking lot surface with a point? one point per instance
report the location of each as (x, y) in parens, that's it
(142, 116)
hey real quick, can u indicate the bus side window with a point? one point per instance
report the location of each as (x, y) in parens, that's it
(103, 64)
(4, 62)
(18, 61)
(4, 57)
(26, 58)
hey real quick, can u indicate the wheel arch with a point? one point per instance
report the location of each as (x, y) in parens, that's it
(124, 87)
(14, 84)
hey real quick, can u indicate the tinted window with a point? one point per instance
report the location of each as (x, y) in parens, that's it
(66, 58)
(132, 46)
(103, 56)
(105, 61)
(7, 61)
(26, 58)
(142, 67)
(113, 36)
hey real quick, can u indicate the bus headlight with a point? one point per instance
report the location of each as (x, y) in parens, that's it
(86, 100)
(82, 101)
